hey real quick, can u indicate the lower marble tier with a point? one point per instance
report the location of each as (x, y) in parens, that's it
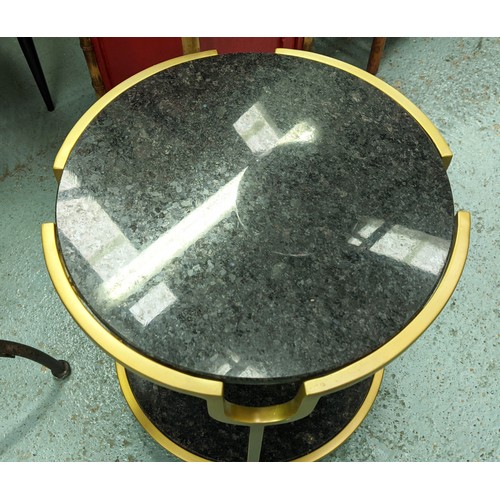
(182, 425)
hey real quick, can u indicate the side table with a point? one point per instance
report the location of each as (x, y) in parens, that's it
(253, 238)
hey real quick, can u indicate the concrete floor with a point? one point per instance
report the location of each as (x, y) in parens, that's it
(439, 401)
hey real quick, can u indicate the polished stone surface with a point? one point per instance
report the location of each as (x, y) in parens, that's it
(254, 218)
(185, 421)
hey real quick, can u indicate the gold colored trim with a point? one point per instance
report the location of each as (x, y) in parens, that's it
(58, 171)
(94, 110)
(349, 429)
(212, 391)
(146, 367)
(429, 128)
(190, 45)
(255, 438)
(295, 409)
(148, 426)
(381, 357)
(187, 456)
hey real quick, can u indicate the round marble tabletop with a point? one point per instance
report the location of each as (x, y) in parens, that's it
(254, 218)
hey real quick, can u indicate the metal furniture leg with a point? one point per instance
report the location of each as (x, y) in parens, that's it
(59, 368)
(29, 51)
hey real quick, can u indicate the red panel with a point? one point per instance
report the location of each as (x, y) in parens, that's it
(120, 58)
(225, 45)
(293, 43)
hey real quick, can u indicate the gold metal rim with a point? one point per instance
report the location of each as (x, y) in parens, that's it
(187, 456)
(148, 426)
(429, 128)
(368, 365)
(212, 390)
(75, 133)
(349, 429)
(95, 109)
(113, 346)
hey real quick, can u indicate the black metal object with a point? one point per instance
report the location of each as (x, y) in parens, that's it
(29, 51)
(59, 368)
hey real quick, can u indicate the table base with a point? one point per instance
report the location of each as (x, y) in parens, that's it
(181, 424)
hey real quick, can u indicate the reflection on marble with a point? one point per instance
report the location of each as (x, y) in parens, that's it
(131, 277)
(217, 218)
(261, 137)
(153, 303)
(109, 250)
(415, 248)
(302, 132)
(364, 229)
(367, 227)
(261, 134)
(258, 131)
(69, 182)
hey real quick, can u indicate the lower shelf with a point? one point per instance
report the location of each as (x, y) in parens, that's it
(181, 424)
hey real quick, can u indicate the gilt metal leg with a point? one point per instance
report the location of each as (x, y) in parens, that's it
(255, 437)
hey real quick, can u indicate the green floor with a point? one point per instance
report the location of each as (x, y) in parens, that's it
(439, 401)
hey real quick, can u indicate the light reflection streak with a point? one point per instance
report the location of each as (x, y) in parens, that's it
(262, 135)
(108, 249)
(258, 131)
(300, 133)
(414, 248)
(159, 298)
(125, 270)
(368, 226)
(131, 277)
(71, 181)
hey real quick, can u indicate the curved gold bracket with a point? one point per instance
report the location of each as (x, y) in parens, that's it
(312, 390)
(368, 365)
(212, 390)
(295, 409)
(428, 127)
(125, 355)
(94, 110)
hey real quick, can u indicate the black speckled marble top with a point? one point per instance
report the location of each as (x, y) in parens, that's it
(254, 218)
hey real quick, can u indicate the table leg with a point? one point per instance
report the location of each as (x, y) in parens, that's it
(255, 437)
(29, 51)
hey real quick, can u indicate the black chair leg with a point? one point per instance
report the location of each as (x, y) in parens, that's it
(59, 368)
(29, 51)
